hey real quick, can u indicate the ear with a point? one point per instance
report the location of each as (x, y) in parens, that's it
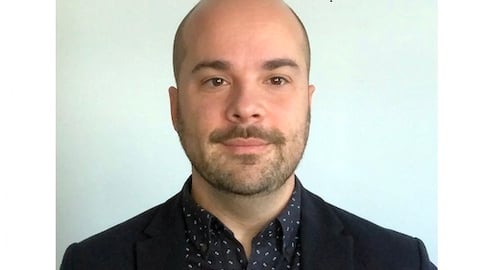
(311, 89)
(173, 93)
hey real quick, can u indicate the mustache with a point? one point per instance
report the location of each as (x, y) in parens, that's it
(273, 136)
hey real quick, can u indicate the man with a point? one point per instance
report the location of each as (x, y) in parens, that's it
(241, 109)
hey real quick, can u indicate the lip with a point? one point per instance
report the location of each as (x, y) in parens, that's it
(239, 142)
(246, 146)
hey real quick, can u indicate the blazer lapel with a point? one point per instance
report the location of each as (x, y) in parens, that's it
(166, 247)
(323, 244)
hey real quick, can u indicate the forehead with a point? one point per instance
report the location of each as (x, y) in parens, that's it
(245, 35)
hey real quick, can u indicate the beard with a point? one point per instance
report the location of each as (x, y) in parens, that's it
(246, 174)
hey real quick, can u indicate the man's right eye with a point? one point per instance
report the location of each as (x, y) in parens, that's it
(216, 82)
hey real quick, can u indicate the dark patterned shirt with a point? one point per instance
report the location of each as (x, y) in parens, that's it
(211, 245)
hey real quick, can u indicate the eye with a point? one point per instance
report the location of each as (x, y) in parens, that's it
(216, 82)
(277, 80)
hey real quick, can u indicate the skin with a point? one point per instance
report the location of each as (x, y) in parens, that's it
(241, 109)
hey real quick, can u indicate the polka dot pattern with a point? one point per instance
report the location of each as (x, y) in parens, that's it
(211, 245)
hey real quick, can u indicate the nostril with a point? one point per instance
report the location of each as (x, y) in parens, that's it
(239, 116)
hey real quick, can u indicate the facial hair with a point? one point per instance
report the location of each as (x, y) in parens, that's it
(246, 174)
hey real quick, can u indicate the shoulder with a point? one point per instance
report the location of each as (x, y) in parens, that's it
(374, 246)
(378, 246)
(114, 248)
(360, 228)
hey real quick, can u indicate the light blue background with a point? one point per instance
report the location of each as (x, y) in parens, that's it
(372, 146)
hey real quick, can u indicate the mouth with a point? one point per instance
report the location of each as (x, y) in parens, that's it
(242, 146)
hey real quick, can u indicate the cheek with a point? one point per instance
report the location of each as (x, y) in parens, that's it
(291, 112)
(200, 118)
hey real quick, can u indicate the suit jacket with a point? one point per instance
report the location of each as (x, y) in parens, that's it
(332, 239)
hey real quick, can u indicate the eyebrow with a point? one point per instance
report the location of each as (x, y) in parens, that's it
(224, 65)
(216, 64)
(280, 62)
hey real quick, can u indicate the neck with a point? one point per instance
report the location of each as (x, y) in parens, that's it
(245, 216)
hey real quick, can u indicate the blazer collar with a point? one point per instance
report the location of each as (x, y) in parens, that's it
(324, 244)
(166, 246)
(323, 241)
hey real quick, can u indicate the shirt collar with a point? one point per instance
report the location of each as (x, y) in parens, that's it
(289, 219)
(199, 221)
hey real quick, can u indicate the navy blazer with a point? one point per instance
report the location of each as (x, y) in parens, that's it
(332, 239)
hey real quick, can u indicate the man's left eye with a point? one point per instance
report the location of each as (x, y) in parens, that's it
(277, 80)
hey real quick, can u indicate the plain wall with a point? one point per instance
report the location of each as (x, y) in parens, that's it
(372, 145)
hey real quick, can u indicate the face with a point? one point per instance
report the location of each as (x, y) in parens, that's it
(242, 107)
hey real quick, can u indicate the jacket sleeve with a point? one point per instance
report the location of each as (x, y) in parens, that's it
(425, 262)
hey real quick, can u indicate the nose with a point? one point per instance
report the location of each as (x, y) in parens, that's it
(245, 105)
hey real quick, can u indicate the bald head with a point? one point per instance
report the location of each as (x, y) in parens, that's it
(207, 12)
